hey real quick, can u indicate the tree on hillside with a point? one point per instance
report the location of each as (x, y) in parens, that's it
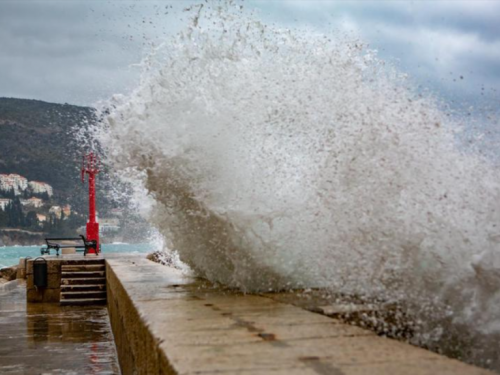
(44, 196)
(15, 214)
(61, 227)
(4, 218)
(9, 194)
(31, 220)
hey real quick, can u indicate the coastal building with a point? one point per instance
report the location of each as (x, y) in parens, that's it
(39, 187)
(13, 182)
(56, 211)
(109, 221)
(32, 202)
(4, 203)
(116, 212)
(41, 218)
(109, 225)
(66, 210)
(18, 184)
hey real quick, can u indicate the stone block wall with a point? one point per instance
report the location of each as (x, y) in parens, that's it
(21, 268)
(137, 348)
(53, 290)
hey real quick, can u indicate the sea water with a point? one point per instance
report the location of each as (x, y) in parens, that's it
(9, 255)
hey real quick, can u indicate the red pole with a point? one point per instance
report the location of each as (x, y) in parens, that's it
(90, 167)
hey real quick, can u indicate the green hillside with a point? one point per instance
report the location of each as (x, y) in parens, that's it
(37, 142)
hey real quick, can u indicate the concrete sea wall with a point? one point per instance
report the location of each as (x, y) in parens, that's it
(53, 290)
(137, 348)
(168, 323)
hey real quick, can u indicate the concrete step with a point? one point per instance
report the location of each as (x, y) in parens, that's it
(83, 267)
(88, 260)
(82, 274)
(83, 288)
(83, 301)
(83, 294)
(84, 281)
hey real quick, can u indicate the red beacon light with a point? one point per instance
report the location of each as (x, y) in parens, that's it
(90, 166)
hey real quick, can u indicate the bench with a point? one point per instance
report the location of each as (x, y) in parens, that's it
(54, 244)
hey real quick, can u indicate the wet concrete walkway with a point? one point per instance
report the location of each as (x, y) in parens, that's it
(51, 339)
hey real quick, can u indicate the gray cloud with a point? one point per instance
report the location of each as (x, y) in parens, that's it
(75, 51)
(451, 47)
(82, 51)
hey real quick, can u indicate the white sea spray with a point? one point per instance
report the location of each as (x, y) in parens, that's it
(277, 158)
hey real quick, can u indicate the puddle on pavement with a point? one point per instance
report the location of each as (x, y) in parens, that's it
(52, 339)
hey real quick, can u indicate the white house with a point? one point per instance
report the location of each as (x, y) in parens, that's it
(4, 203)
(56, 211)
(13, 182)
(109, 225)
(32, 202)
(40, 187)
(66, 210)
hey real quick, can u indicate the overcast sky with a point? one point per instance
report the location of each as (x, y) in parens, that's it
(83, 51)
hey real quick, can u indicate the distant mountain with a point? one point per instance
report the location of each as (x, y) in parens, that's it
(37, 141)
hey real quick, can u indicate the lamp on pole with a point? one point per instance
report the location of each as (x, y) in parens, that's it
(90, 166)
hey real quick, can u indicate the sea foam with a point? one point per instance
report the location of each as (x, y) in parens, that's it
(278, 159)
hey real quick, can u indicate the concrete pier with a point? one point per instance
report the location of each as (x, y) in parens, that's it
(45, 338)
(66, 274)
(168, 323)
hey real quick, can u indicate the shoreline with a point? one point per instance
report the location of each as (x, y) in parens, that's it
(14, 237)
(104, 243)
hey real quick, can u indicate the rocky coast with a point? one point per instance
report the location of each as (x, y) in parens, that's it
(20, 237)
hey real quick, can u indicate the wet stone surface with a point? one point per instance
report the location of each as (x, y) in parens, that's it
(47, 338)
